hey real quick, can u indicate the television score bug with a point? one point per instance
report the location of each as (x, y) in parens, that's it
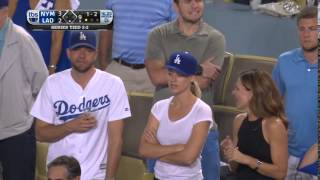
(69, 19)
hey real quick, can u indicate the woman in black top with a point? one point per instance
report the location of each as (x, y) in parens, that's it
(259, 133)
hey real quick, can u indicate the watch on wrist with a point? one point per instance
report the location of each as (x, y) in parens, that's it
(199, 70)
(52, 66)
(258, 163)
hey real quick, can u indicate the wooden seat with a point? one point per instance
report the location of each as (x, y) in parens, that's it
(41, 159)
(131, 168)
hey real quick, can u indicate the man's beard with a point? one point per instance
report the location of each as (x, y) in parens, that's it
(314, 48)
(191, 21)
(82, 70)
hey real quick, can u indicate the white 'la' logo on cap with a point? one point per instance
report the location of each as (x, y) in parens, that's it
(177, 60)
(82, 36)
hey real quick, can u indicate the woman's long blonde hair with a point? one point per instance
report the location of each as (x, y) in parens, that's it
(195, 89)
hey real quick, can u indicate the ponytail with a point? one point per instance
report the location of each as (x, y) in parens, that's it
(195, 89)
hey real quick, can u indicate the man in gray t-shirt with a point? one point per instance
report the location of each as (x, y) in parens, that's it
(203, 41)
(189, 33)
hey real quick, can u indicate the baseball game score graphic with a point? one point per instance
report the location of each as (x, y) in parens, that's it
(69, 19)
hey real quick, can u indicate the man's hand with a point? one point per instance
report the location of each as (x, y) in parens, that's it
(210, 70)
(83, 123)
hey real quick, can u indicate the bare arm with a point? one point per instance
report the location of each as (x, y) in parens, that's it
(278, 141)
(157, 72)
(56, 44)
(115, 129)
(310, 157)
(57, 38)
(12, 7)
(105, 48)
(149, 145)
(210, 70)
(227, 143)
(46, 132)
(193, 147)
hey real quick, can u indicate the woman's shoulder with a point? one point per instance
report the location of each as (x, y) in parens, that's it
(274, 128)
(201, 103)
(274, 123)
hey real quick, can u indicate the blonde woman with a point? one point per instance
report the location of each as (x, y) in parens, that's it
(178, 126)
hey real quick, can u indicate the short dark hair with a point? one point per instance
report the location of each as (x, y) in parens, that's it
(307, 13)
(70, 163)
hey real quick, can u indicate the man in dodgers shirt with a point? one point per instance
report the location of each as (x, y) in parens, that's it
(80, 111)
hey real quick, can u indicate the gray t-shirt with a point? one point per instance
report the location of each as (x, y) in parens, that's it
(206, 43)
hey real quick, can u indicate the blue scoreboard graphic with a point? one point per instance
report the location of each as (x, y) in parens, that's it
(70, 19)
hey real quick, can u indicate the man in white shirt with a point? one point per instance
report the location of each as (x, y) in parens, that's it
(80, 111)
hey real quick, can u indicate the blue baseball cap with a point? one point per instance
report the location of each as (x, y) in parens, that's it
(183, 63)
(3, 3)
(83, 39)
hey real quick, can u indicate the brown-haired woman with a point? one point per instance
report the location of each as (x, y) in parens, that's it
(259, 133)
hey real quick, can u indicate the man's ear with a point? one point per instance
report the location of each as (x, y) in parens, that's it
(68, 53)
(175, 7)
(96, 55)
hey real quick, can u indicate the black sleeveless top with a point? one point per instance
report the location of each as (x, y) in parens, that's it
(251, 142)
